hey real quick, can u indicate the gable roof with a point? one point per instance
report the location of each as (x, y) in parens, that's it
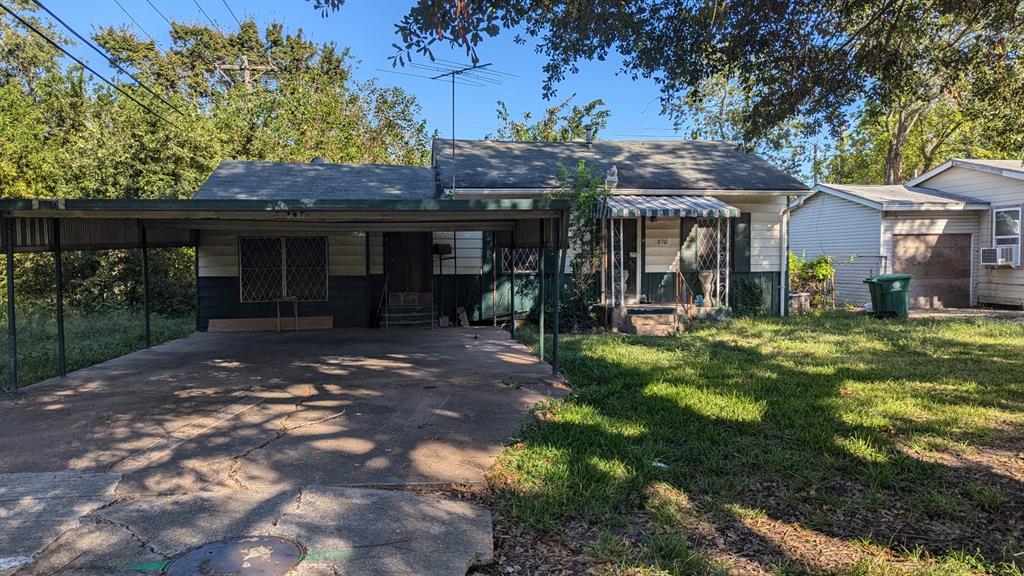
(896, 197)
(253, 180)
(678, 165)
(1008, 168)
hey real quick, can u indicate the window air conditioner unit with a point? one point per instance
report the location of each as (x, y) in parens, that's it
(1001, 256)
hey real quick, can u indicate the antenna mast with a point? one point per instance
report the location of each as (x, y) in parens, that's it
(453, 73)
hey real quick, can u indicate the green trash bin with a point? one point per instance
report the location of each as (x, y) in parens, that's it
(890, 294)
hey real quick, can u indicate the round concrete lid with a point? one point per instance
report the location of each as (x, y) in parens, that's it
(242, 556)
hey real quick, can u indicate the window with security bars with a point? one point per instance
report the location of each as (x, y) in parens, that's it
(274, 268)
(523, 260)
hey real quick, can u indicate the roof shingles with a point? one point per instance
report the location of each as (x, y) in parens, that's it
(249, 180)
(683, 165)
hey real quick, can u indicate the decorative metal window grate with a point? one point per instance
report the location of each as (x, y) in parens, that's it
(274, 268)
(713, 255)
(525, 260)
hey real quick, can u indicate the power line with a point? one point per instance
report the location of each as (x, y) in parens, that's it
(212, 21)
(134, 21)
(157, 10)
(232, 12)
(53, 43)
(109, 58)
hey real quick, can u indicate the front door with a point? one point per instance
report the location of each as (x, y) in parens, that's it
(625, 256)
(408, 268)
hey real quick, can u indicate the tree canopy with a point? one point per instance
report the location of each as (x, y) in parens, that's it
(765, 73)
(562, 122)
(63, 133)
(809, 58)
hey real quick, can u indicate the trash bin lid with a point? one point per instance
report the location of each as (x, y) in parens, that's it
(891, 277)
(887, 278)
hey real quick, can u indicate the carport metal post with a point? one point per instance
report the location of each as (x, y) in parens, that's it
(512, 284)
(563, 241)
(543, 303)
(145, 284)
(12, 331)
(58, 276)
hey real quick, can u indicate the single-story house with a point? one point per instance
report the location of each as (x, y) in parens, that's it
(956, 229)
(681, 214)
(320, 245)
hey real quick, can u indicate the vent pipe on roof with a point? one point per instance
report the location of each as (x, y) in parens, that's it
(589, 133)
(611, 178)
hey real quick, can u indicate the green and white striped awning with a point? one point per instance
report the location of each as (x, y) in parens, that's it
(634, 206)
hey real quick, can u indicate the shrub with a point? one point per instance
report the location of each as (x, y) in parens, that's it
(814, 276)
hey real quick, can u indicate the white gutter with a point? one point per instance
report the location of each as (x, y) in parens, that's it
(784, 258)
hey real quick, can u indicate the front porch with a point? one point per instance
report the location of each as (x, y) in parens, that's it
(668, 260)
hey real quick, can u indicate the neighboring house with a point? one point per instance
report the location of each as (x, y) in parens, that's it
(937, 227)
(680, 212)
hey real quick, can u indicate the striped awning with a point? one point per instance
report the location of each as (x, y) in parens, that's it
(632, 206)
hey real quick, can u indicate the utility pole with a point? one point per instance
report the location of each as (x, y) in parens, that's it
(247, 71)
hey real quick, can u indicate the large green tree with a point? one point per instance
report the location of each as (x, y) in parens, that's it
(808, 59)
(559, 123)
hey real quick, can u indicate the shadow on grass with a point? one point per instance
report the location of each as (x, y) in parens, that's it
(827, 423)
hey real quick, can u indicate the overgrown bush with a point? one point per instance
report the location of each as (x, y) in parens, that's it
(99, 280)
(586, 193)
(747, 298)
(814, 276)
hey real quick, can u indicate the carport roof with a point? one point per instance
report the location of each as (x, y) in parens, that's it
(108, 224)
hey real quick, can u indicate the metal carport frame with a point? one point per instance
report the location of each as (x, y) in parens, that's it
(57, 225)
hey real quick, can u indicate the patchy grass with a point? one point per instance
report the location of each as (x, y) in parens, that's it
(89, 339)
(825, 444)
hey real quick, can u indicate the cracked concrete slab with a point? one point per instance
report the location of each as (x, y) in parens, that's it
(343, 530)
(36, 507)
(220, 435)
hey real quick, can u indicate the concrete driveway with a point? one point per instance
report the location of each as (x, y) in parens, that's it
(242, 425)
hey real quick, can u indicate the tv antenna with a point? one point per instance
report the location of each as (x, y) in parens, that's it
(439, 69)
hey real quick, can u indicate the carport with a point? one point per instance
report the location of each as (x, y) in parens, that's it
(63, 225)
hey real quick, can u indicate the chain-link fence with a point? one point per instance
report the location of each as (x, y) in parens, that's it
(850, 272)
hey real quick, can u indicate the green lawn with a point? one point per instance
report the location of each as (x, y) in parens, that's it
(818, 444)
(89, 339)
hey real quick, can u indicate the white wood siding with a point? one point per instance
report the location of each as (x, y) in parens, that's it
(467, 248)
(993, 285)
(346, 253)
(662, 245)
(376, 252)
(932, 223)
(218, 253)
(848, 232)
(765, 229)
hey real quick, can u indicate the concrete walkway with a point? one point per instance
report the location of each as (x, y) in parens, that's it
(119, 467)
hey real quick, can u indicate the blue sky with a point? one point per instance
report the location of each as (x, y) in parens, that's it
(367, 28)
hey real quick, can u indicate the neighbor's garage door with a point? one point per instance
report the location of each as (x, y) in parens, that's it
(940, 265)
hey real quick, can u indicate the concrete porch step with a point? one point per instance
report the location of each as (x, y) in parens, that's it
(655, 324)
(410, 316)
